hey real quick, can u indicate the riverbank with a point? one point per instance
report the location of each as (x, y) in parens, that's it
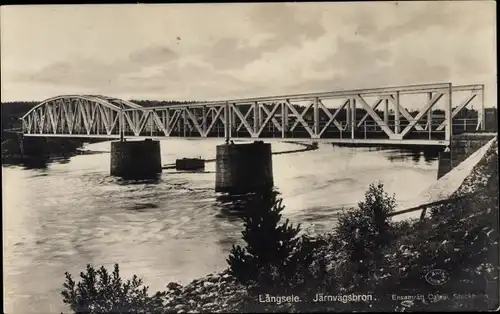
(458, 238)
(53, 149)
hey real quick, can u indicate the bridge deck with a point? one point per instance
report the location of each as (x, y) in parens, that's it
(276, 139)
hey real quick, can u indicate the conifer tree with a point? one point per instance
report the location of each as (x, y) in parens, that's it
(274, 252)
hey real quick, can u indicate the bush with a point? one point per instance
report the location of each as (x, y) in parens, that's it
(101, 292)
(364, 230)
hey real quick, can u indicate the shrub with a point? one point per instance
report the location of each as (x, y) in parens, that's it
(364, 230)
(101, 292)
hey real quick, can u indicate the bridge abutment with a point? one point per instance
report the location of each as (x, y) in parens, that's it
(244, 168)
(461, 147)
(135, 159)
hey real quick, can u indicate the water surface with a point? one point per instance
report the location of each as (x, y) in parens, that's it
(177, 228)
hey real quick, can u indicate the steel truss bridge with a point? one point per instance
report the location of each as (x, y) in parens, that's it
(364, 116)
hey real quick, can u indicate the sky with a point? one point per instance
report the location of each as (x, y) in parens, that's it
(225, 51)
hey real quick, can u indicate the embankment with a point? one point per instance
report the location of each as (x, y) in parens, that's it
(446, 186)
(462, 146)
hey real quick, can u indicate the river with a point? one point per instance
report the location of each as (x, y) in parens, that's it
(73, 213)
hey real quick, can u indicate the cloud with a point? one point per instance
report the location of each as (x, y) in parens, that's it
(276, 26)
(264, 49)
(93, 73)
(289, 24)
(229, 53)
(78, 72)
(154, 55)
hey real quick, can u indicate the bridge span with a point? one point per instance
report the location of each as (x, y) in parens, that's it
(351, 116)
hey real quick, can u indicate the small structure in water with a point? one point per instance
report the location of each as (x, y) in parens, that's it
(190, 164)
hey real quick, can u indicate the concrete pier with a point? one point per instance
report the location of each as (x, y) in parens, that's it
(244, 168)
(461, 147)
(135, 159)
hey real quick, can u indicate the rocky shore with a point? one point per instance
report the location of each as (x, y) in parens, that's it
(214, 293)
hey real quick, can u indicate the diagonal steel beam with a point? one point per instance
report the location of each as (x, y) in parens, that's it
(129, 121)
(173, 121)
(304, 111)
(331, 116)
(457, 110)
(142, 121)
(375, 117)
(195, 121)
(273, 119)
(158, 122)
(405, 113)
(51, 118)
(42, 119)
(117, 115)
(378, 102)
(93, 109)
(217, 113)
(243, 119)
(300, 118)
(270, 116)
(105, 120)
(435, 98)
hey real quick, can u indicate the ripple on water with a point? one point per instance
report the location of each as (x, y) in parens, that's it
(75, 213)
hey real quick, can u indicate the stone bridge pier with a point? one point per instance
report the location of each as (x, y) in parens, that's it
(135, 159)
(244, 168)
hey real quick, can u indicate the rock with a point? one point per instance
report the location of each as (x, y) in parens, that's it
(179, 307)
(213, 294)
(208, 305)
(232, 300)
(213, 278)
(174, 286)
(199, 290)
(207, 284)
(226, 278)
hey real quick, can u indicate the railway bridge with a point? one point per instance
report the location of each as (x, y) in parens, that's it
(371, 116)
(428, 114)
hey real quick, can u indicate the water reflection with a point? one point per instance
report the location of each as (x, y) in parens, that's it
(414, 154)
(35, 163)
(237, 206)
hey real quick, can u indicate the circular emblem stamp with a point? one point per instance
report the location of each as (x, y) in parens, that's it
(437, 277)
